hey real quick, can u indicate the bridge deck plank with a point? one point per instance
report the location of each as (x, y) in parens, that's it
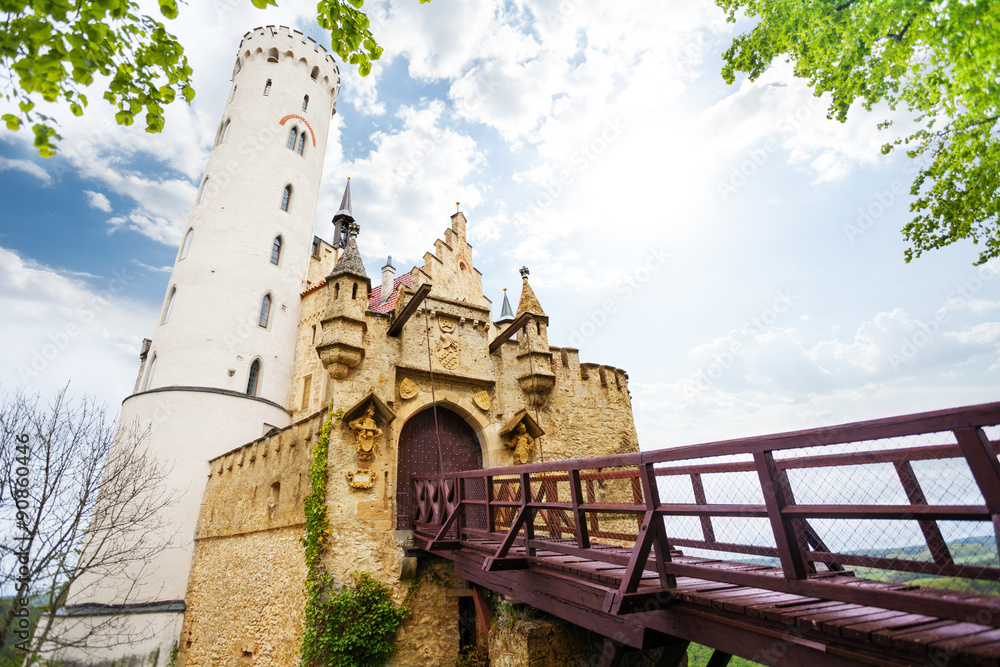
(856, 624)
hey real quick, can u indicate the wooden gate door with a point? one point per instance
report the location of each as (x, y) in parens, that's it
(418, 453)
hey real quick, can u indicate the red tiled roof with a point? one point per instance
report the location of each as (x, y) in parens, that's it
(313, 288)
(375, 298)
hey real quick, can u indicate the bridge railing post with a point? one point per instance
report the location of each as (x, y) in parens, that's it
(985, 468)
(789, 550)
(491, 523)
(579, 518)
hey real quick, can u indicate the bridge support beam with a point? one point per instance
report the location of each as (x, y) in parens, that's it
(673, 654)
(483, 612)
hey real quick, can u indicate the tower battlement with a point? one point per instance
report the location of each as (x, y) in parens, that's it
(284, 43)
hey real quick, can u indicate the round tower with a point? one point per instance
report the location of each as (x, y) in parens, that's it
(231, 313)
(218, 371)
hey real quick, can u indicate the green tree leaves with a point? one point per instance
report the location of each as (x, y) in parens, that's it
(941, 60)
(53, 49)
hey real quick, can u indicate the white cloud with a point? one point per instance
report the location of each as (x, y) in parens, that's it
(402, 188)
(27, 167)
(58, 328)
(98, 200)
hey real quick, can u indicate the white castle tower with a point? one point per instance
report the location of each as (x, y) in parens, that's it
(218, 369)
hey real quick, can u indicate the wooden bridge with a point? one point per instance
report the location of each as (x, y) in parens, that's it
(871, 543)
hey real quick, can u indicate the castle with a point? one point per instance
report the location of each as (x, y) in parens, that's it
(263, 327)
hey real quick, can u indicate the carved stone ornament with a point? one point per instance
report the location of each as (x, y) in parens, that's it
(446, 350)
(482, 400)
(408, 389)
(521, 443)
(365, 431)
(361, 479)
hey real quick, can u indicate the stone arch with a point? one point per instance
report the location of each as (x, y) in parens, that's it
(417, 452)
(486, 431)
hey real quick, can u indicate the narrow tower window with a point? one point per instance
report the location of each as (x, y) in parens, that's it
(225, 132)
(149, 374)
(267, 87)
(354, 292)
(315, 73)
(253, 377)
(170, 305)
(292, 133)
(286, 198)
(302, 143)
(306, 391)
(276, 250)
(265, 311)
(336, 291)
(272, 499)
(187, 243)
(305, 102)
(201, 193)
(272, 56)
(232, 95)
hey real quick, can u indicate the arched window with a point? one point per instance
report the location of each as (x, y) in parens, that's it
(286, 198)
(187, 243)
(253, 378)
(315, 73)
(225, 132)
(272, 499)
(170, 305)
(302, 143)
(267, 87)
(265, 311)
(276, 250)
(305, 102)
(272, 56)
(149, 374)
(201, 192)
(292, 133)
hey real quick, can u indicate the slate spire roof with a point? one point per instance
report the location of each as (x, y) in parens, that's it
(345, 214)
(529, 302)
(506, 313)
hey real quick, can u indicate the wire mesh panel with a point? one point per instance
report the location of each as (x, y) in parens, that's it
(615, 497)
(910, 500)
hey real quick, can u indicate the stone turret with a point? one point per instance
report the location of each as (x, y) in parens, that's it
(342, 346)
(535, 373)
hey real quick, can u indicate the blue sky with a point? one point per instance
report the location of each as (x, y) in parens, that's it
(732, 249)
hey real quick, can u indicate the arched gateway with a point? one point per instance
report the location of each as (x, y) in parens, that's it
(418, 453)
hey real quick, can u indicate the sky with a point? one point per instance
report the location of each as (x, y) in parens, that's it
(731, 248)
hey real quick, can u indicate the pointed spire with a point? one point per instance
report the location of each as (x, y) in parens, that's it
(529, 302)
(506, 312)
(350, 260)
(345, 205)
(343, 219)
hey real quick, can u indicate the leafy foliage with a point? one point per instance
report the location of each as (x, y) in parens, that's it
(941, 60)
(353, 625)
(52, 50)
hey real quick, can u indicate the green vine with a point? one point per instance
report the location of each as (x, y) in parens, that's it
(348, 626)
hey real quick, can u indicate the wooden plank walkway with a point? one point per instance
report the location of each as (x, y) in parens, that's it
(781, 520)
(790, 628)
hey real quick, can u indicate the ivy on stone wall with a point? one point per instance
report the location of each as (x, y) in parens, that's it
(348, 626)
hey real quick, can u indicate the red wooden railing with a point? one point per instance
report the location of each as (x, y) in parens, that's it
(871, 490)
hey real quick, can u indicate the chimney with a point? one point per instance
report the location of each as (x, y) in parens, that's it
(388, 274)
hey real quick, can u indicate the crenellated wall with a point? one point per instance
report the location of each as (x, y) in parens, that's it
(248, 560)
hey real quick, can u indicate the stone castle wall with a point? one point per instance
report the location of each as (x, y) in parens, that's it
(245, 592)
